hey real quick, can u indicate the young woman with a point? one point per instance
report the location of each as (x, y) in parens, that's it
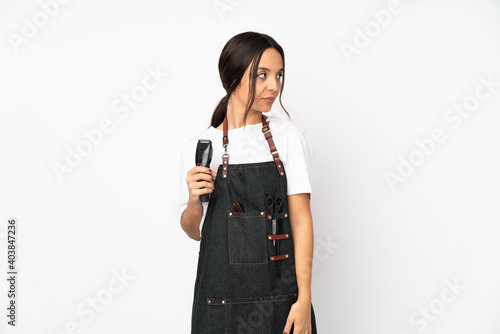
(255, 259)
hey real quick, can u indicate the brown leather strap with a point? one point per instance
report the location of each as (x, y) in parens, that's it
(279, 257)
(225, 142)
(267, 135)
(280, 215)
(274, 152)
(277, 236)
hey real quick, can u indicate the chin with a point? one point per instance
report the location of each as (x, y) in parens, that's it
(266, 108)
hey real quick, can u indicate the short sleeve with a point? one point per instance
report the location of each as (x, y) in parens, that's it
(299, 165)
(184, 167)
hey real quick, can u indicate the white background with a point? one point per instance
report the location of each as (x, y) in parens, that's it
(383, 255)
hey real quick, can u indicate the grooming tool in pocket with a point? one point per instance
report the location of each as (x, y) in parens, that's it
(238, 206)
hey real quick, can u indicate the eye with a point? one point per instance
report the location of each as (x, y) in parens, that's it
(263, 73)
(280, 76)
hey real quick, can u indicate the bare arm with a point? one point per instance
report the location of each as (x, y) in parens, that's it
(191, 219)
(302, 233)
(303, 242)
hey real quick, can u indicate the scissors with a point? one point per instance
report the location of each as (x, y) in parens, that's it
(274, 206)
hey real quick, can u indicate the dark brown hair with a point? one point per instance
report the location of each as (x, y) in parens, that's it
(239, 52)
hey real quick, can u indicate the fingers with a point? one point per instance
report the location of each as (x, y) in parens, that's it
(200, 181)
(303, 330)
(201, 187)
(200, 184)
(200, 173)
(201, 169)
(288, 326)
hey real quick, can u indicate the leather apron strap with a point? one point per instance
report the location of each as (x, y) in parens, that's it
(267, 134)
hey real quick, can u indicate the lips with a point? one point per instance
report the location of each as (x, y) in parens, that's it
(269, 99)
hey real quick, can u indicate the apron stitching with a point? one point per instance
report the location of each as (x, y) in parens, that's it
(208, 310)
(261, 314)
(252, 302)
(249, 167)
(228, 242)
(245, 217)
(209, 210)
(276, 300)
(229, 245)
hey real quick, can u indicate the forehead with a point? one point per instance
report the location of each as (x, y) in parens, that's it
(271, 59)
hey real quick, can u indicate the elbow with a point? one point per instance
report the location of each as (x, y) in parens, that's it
(193, 234)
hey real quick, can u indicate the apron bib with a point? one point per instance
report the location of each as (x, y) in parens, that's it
(244, 283)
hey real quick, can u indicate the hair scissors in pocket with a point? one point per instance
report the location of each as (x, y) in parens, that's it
(274, 206)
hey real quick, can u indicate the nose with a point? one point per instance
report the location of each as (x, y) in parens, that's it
(273, 84)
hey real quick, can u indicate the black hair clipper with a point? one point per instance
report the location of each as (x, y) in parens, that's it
(204, 152)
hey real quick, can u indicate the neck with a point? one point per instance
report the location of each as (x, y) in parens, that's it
(235, 113)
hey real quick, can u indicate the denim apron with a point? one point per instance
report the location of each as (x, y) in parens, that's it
(244, 283)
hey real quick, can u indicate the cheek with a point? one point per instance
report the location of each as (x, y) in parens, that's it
(259, 91)
(240, 96)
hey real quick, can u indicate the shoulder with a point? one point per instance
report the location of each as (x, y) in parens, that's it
(284, 127)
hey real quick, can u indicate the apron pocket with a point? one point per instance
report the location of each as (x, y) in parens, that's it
(247, 243)
(216, 316)
(266, 314)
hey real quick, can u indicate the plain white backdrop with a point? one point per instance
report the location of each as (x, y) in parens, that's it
(400, 99)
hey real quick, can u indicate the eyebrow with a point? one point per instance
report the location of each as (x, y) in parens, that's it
(266, 69)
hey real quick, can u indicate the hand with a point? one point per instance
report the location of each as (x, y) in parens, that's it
(195, 188)
(300, 317)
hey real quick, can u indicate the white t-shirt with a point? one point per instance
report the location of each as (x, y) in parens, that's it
(247, 144)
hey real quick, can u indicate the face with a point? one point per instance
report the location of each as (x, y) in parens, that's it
(267, 83)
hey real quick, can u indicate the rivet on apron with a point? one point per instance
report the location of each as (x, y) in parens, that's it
(272, 258)
(262, 213)
(223, 302)
(286, 235)
(281, 173)
(209, 301)
(269, 217)
(286, 215)
(286, 256)
(279, 166)
(230, 213)
(269, 237)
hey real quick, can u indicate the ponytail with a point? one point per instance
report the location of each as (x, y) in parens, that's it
(220, 112)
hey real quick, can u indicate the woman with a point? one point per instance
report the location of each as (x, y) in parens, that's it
(254, 267)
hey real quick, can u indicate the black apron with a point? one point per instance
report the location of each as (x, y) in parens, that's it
(244, 283)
